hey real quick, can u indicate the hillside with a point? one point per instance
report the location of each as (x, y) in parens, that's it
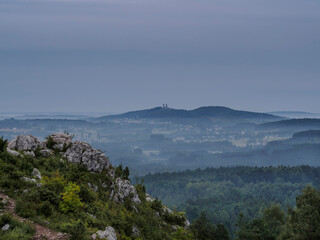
(312, 123)
(224, 193)
(69, 189)
(202, 112)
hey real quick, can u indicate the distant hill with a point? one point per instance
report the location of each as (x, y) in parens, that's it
(202, 112)
(296, 114)
(294, 123)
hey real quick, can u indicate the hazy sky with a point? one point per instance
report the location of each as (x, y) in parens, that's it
(118, 55)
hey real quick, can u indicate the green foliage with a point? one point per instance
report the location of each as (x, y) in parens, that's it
(203, 229)
(303, 222)
(156, 205)
(70, 198)
(3, 144)
(77, 231)
(222, 193)
(65, 200)
(50, 143)
(17, 230)
(182, 234)
(122, 173)
(266, 227)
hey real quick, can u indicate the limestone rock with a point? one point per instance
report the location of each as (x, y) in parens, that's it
(135, 231)
(29, 153)
(31, 180)
(167, 210)
(149, 198)
(24, 143)
(186, 224)
(93, 187)
(5, 227)
(109, 234)
(94, 160)
(13, 153)
(61, 138)
(36, 173)
(122, 189)
(74, 153)
(46, 152)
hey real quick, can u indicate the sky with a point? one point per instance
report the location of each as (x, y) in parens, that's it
(121, 55)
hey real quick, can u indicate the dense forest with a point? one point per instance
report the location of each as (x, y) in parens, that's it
(225, 193)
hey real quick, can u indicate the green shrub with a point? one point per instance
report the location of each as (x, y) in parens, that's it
(26, 209)
(77, 231)
(156, 205)
(50, 143)
(70, 199)
(17, 230)
(3, 144)
(46, 209)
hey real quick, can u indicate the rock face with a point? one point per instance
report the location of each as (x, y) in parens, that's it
(83, 153)
(122, 189)
(24, 143)
(61, 140)
(149, 198)
(108, 234)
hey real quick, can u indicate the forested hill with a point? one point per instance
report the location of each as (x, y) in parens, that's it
(202, 112)
(223, 193)
(311, 123)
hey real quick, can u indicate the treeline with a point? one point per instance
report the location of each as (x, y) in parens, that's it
(225, 193)
(300, 223)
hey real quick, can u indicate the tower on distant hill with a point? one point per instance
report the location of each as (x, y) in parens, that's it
(165, 106)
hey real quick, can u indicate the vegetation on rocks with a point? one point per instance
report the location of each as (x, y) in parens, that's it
(71, 199)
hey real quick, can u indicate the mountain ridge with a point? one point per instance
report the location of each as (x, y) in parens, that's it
(201, 112)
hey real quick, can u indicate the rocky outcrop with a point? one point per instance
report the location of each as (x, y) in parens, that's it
(13, 152)
(60, 140)
(122, 189)
(94, 160)
(149, 198)
(24, 143)
(36, 173)
(31, 180)
(109, 234)
(46, 152)
(29, 153)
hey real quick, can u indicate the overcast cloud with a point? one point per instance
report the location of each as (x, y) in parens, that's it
(119, 55)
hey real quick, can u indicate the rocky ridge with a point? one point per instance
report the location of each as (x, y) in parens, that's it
(78, 152)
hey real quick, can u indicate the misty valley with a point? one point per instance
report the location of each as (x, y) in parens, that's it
(218, 165)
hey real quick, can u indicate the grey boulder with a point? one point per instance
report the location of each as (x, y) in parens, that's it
(83, 153)
(122, 189)
(109, 234)
(24, 143)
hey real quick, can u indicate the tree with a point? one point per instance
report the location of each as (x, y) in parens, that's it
(303, 222)
(266, 227)
(203, 229)
(3, 144)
